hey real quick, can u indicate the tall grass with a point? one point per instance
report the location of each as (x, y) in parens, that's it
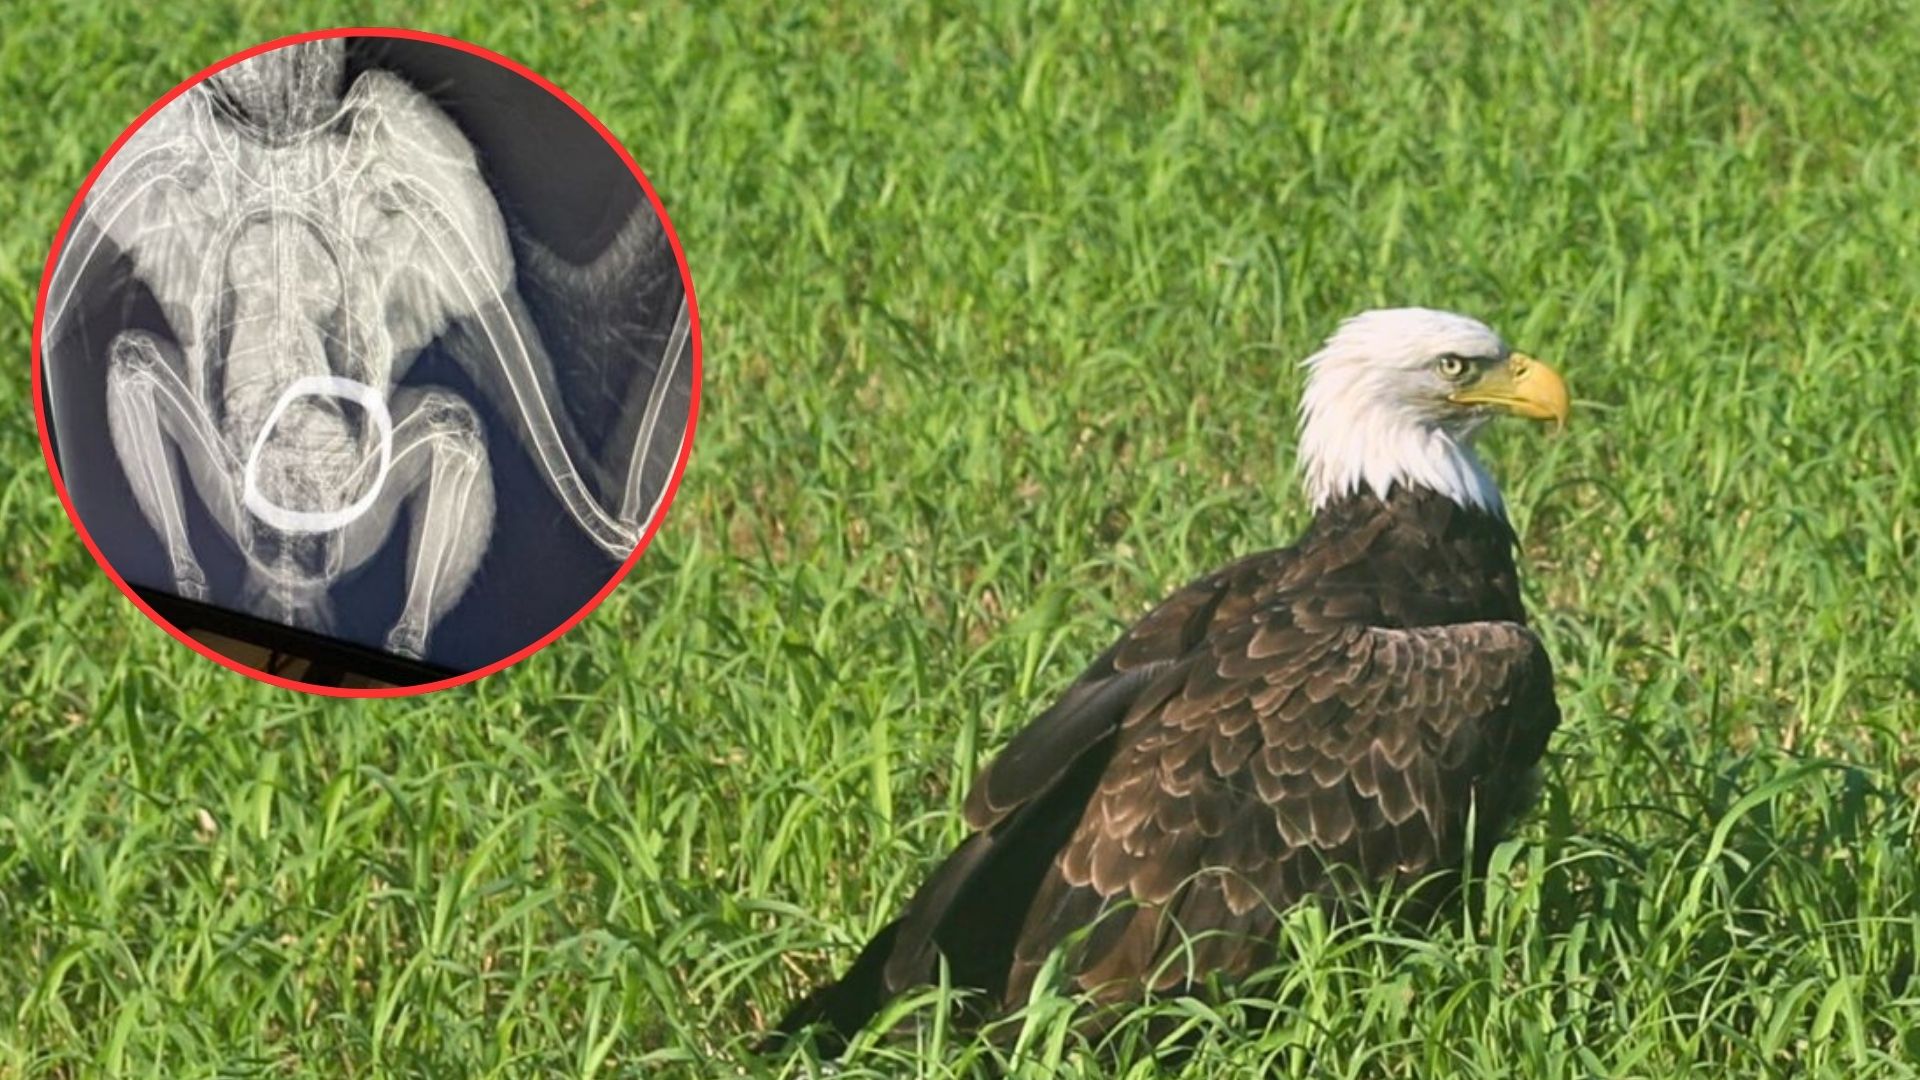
(1001, 309)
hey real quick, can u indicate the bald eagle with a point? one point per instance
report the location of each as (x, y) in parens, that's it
(1346, 709)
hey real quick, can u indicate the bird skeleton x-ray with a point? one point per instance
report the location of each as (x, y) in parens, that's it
(305, 244)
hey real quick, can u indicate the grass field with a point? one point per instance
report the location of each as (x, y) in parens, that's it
(1001, 318)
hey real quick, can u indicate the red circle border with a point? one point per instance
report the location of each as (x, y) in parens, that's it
(679, 466)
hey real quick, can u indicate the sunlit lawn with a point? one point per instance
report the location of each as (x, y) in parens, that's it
(1001, 316)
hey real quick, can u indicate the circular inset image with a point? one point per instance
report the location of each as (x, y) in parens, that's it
(366, 362)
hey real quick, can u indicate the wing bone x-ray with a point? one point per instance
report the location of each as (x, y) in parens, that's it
(306, 236)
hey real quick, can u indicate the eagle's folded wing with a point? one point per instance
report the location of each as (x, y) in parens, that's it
(1295, 744)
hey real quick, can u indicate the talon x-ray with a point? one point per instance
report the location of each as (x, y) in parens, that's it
(370, 337)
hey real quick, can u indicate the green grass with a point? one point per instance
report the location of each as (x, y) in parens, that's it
(1001, 315)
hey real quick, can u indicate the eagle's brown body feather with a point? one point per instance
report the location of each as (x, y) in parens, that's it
(1340, 706)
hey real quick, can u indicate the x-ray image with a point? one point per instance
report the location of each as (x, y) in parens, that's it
(375, 338)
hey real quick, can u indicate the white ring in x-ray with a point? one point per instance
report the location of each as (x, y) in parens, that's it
(318, 521)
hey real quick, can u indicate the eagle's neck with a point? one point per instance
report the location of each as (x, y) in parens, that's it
(1376, 451)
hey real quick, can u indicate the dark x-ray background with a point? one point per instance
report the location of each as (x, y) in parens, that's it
(559, 185)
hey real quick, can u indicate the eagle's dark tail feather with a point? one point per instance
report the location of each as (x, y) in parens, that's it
(838, 1010)
(969, 913)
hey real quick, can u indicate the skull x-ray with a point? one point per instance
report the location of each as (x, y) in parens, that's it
(375, 338)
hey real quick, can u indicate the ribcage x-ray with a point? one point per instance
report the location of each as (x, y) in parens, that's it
(375, 338)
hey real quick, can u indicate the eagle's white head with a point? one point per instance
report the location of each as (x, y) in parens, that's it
(1396, 397)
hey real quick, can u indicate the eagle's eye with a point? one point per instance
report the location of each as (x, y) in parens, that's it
(1451, 366)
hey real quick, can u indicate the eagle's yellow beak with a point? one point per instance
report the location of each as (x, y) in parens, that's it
(1522, 386)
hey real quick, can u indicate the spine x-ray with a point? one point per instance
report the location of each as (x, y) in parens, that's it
(374, 338)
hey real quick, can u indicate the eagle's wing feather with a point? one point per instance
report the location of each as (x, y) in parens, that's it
(1092, 708)
(1294, 742)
